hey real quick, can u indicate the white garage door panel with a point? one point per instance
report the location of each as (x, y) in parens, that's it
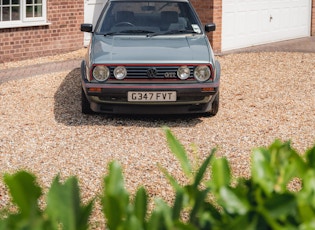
(252, 22)
(92, 10)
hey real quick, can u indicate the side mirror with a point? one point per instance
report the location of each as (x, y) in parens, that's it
(210, 27)
(87, 28)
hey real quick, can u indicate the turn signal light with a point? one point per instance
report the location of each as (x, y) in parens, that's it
(95, 90)
(209, 89)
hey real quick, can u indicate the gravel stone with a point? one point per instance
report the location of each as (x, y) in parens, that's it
(263, 96)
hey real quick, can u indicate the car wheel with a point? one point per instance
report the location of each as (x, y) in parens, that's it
(214, 107)
(85, 104)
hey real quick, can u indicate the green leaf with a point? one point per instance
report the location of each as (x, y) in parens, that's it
(160, 217)
(155, 221)
(307, 225)
(132, 223)
(233, 202)
(170, 178)
(203, 169)
(64, 205)
(262, 173)
(140, 205)
(115, 199)
(310, 157)
(178, 204)
(184, 226)
(306, 212)
(280, 205)
(306, 197)
(113, 212)
(25, 192)
(212, 213)
(198, 205)
(16, 222)
(286, 164)
(179, 151)
(245, 222)
(166, 211)
(221, 175)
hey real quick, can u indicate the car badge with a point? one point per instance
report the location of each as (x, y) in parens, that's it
(152, 72)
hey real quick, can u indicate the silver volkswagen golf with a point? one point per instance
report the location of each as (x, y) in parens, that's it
(149, 57)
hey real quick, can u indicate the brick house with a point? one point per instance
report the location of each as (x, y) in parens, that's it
(35, 28)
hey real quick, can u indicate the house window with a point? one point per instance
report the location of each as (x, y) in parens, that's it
(20, 13)
(34, 8)
(10, 10)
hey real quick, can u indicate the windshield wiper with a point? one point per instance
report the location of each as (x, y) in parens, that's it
(173, 32)
(112, 33)
(138, 31)
(129, 32)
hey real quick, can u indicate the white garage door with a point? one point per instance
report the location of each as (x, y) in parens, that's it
(92, 10)
(253, 22)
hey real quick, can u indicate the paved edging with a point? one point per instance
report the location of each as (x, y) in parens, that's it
(38, 69)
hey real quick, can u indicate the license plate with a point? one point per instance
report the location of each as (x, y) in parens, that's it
(152, 96)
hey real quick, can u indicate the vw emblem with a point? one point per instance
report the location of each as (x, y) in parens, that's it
(152, 72)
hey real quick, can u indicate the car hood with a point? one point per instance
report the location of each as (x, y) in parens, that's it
(142, 49)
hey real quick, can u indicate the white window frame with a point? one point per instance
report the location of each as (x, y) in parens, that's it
(24, 21)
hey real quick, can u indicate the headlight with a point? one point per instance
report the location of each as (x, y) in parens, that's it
(120, 72)
(202, 73)
(101, 73)
(183, 72)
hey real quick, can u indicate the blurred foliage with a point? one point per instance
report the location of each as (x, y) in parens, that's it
(211, 200)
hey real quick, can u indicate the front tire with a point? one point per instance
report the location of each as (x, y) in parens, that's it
(215, 105)
(85, 104)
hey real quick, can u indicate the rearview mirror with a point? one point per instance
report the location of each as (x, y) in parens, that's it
(87, 28)
(148, 8)
(210, 27)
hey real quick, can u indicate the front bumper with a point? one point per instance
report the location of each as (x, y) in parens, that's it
(112, 98)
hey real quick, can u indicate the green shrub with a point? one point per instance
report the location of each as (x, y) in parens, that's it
(64, 209)
(260, 202)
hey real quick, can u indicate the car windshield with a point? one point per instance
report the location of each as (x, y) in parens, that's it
(152, 18)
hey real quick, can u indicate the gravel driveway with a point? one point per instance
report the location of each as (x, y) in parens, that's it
(263, 96)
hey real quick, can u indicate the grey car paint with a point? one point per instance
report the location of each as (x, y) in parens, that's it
(143, 49)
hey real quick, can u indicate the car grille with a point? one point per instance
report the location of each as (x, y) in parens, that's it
(151, 72)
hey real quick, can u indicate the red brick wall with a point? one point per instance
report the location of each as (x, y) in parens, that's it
(62, 35)
(211, 11)
(217, 19)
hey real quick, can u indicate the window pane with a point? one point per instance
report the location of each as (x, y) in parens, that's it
(38, 11)
(6, 14)
(16, 13)
(29, 11)
(5, 2)
(10, 10)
